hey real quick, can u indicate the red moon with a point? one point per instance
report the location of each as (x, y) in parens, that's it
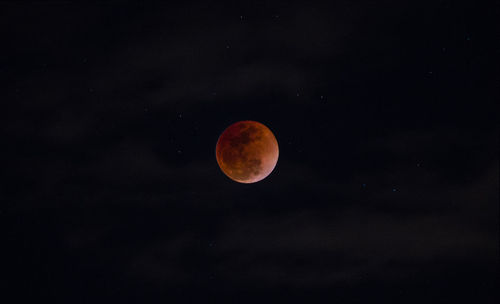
(247, 151)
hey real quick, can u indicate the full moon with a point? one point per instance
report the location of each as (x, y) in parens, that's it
(247, 151)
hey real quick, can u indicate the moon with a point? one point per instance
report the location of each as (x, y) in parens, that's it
(247, 151)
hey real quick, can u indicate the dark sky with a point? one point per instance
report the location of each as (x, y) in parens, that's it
(386, 190)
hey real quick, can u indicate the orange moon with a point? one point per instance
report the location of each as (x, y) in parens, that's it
(247, 151)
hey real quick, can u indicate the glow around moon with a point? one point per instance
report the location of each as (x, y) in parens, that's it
(247, 151)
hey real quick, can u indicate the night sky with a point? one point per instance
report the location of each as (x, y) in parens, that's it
(386, 189)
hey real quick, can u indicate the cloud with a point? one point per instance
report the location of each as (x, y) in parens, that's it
(274, 238)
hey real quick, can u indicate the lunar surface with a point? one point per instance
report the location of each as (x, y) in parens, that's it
(247, 151)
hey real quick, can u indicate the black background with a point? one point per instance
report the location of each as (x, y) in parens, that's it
(386, 189)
